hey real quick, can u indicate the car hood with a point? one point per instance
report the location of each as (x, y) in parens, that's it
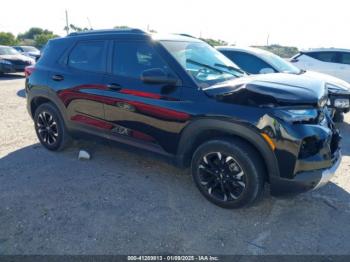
(15, 57)
(338, 85)
(271, 90)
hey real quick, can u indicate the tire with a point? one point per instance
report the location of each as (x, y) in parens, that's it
(240, 173)
(338, 117)
(50, 128)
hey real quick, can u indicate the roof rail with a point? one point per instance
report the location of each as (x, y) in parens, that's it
(109, 31)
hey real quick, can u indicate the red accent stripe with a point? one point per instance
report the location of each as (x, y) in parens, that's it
(160, 112)
(156, 111)
(142, 136)
(140, 93)
(91, 121)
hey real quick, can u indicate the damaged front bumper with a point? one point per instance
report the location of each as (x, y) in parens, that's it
(305, 181)
(308, 155)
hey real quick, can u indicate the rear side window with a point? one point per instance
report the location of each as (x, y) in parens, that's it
(88, 56)
(329, 57)
(247, 62)
(345, 58)
(132, 58)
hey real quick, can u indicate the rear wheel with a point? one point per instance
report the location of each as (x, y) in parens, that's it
(229, 173)
(50, 128)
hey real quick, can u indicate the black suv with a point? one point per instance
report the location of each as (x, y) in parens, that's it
(178, 96)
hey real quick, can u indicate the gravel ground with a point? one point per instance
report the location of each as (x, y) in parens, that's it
(127, 202)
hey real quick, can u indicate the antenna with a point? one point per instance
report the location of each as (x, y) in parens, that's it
(67, 24)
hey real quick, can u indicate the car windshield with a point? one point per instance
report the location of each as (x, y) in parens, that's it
(29, 49)
(206, 65)
(4, 50)
(279, 63)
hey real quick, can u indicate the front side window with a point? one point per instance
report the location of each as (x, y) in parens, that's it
(88, 56)
(205, 64)
(329, 57)
(247, 62)
(132, 58)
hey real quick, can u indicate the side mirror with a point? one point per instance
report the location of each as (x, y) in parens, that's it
(266, 70)
(157, 76)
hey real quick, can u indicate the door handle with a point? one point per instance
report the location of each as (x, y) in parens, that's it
(114, 86)
(57, 78)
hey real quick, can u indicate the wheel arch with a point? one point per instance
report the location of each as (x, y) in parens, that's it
(39, 97)
(203, 130)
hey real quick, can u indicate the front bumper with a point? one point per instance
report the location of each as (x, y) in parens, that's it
(305, 181)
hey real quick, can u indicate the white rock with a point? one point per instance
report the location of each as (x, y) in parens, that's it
(84, 155)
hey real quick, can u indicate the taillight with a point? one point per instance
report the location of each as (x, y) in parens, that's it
(28, 70)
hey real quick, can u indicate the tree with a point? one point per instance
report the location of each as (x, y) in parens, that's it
(33, 32)
(7, 39)
(121, 27)
(214, 42)
(42, 39)
(282, 51)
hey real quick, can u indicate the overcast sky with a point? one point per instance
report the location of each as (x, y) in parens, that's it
(305, 24)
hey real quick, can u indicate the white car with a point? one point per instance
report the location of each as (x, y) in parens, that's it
(332, 61)
(258, 61)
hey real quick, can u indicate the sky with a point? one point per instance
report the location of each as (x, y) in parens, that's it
(305, 24)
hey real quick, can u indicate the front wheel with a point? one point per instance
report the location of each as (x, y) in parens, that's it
(229, 173)
(50, 128)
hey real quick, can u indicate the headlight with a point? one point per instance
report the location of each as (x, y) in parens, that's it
(297, 115)
(341, 103)
(5, 62)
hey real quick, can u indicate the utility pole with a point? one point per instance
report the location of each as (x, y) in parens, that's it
(267, 40)
(67, 24)
(89, 23)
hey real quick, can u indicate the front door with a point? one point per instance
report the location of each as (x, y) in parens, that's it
(147, 113)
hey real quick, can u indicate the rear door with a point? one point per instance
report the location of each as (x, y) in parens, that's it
(146, 113)
(78, 81)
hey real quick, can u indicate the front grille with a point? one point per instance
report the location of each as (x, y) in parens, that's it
(310, 146)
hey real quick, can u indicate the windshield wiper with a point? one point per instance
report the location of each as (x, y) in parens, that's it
(231, 68)
(204, 65)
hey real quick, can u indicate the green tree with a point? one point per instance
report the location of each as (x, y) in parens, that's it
(282, 51)
(33, 32)
(214, 42)
(121, 27)
(7, 39)
(42, 39)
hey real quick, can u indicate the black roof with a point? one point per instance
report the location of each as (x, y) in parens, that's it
(109, 32)
(128, 33)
